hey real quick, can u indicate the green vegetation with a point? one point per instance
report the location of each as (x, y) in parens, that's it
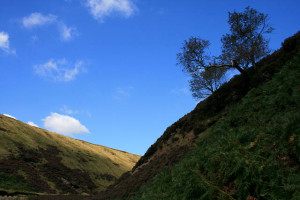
(180, 138)
(252, 153)
(11, 183)
(35, 160)
(242, 144)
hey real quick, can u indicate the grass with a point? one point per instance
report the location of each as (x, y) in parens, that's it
(9, 182)
(168, 150)
(252, 153)
(25, 147)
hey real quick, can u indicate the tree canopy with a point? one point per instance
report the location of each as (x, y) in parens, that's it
(244, 45)
(246, 42)
(207, 82)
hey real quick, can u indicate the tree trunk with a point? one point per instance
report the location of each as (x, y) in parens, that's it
(240, 69)
(244, 74)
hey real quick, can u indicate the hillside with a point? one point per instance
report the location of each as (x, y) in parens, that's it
(37, 161)
(244, 144)
(251, 153)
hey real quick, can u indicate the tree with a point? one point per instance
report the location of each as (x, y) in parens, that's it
(244, 45)
(246, 42)
(206, 78)
(193, 56)
(207, 82)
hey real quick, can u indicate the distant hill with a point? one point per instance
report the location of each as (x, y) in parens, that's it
(37, 161)
(243, 144)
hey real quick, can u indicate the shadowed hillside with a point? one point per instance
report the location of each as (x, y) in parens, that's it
(192, 129)
(36, 161)
(251, 153)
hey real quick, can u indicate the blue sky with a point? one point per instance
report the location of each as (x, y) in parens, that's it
(105, 71)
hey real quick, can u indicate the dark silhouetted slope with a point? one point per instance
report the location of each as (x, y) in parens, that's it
(201, 125)
(251, 153)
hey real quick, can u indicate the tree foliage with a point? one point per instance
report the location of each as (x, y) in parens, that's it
(193, 56)
(195, 61)
(206, 82)
(246, 42)
(244, 45)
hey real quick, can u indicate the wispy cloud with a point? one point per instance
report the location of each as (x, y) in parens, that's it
(7, 115)
(101, 9)
(179, 91)
(67, 33)
(59, 70)
(64, 124)
(68, 111)
(39, 19)
(4, 43)
(32, 124)
(123, 92)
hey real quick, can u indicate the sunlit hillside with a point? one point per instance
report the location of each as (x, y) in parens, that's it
(34, 160)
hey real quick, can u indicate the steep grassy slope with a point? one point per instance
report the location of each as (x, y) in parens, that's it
(180, 138)
(252, 153)
(33, 160)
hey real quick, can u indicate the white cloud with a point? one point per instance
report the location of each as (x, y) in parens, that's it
(32, 124)
(64, 124)
(66, 110)
(66, 33)
(104, 8)
(59, 70)
(123, 92)
(4, 43)
(7, 115)
(38, 19)
(179, 91)
(185, 91)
